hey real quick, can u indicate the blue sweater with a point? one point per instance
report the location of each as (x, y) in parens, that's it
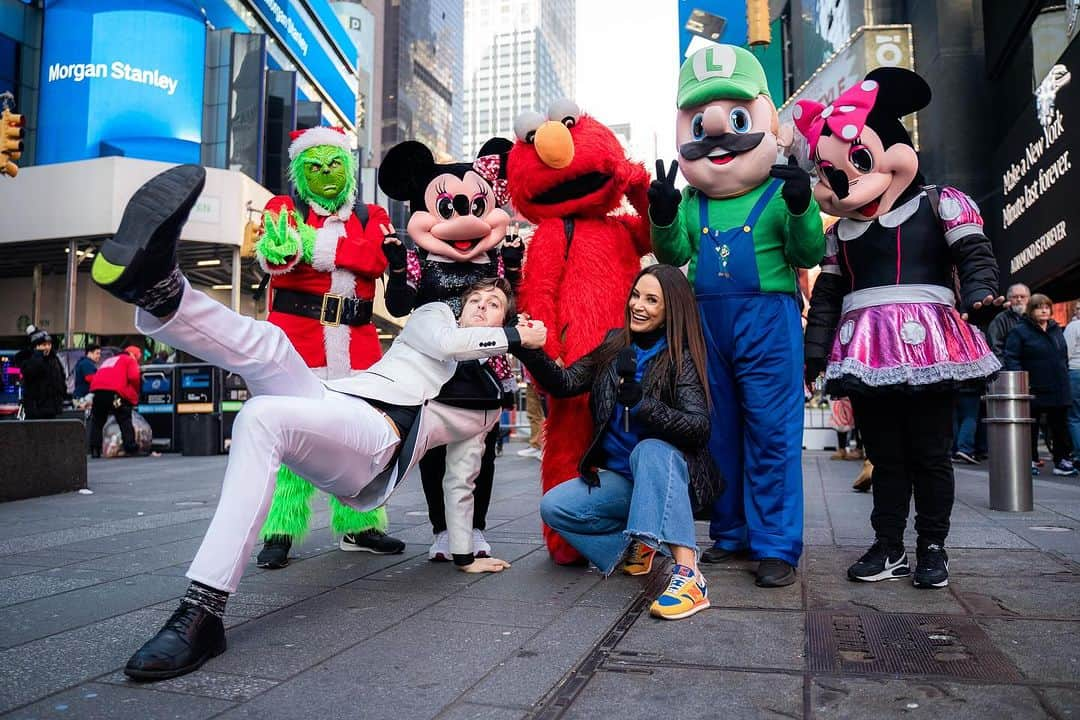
(617, 443)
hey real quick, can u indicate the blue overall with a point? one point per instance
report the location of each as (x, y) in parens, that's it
(755, 358)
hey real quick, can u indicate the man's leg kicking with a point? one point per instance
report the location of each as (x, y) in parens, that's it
(337, 441)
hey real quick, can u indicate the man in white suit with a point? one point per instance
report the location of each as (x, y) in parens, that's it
(356, 437)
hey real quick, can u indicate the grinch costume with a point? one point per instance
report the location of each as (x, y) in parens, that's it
(323, 253)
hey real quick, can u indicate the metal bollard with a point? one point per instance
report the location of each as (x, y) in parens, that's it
(1008, 435)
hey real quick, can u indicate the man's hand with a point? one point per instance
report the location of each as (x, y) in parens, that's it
(393, 249)
(989, 305)
(513, 249)
(279, 242)
(532, 332)
(485, 565)
(664, 198)
(796, 190)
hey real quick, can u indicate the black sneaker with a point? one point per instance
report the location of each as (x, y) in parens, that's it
(882, 561)
(931, 567)
(372, 541)
(961, 456)
(138, 264)
(716, 555)
(774, 573)
(275, 552)
(188, 639)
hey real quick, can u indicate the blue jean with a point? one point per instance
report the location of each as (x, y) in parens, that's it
(653, 507)
(965, 419)
(1074, 411)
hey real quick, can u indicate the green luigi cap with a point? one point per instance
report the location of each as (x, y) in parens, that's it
(720, 72)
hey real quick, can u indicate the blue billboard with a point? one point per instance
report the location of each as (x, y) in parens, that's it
(121, 77)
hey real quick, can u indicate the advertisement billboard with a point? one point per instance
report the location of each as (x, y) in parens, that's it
(121, 78)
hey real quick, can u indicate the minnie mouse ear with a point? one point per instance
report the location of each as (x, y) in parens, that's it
(406, 170)
(901, 91)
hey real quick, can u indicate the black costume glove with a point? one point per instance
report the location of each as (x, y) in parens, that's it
(513, 251)
(629, 393)
(395, 254)
(664, 199)
(796, 190)
(814, 368)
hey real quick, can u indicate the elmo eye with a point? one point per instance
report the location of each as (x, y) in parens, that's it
(861, 158)
(740, 119)
(697, 126)
(478, 207)
(565, 111)
(526, 124)
(445, 207)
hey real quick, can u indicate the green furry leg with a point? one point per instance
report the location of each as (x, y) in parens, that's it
(289, 510)
(344, 519)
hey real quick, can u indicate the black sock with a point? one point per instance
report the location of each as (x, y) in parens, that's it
(163, 298)
(209, 599)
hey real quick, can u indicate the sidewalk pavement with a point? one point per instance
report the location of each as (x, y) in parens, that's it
(85, 579)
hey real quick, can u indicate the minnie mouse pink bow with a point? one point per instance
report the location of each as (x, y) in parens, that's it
(845, 116)
(488, 167)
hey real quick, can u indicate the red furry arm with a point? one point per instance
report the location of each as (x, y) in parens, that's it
(637, 192)
(542, 272)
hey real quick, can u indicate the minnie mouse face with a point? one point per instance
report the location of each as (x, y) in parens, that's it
(860, 179)
(455, 207)
(863, 153)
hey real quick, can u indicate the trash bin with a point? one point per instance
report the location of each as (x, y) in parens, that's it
(1008, 436)
(200, 434)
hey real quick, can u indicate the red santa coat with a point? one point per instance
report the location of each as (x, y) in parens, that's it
(346, 261)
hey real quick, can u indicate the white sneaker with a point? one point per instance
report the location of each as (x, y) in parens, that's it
(530, 452)
(440, 549)
(480, 546)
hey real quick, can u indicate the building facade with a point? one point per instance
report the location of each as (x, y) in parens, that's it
(519, 55)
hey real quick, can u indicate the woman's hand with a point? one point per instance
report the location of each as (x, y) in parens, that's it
(533, 334)
(485, 565)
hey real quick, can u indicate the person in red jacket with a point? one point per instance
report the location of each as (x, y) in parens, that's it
(116, 392)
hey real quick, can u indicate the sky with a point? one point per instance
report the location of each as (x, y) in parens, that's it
(628, 69)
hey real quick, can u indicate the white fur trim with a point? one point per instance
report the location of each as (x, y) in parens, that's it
(315, 136)
(336, 339)
(324, 255)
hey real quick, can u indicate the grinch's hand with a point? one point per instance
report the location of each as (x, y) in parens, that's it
(393, 249)
(796, 190)
(280, 242)
(664, 198)
(513, 250)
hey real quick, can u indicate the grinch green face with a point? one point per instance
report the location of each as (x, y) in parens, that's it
(324, 174)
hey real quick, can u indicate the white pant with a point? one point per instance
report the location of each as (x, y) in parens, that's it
(338, 442)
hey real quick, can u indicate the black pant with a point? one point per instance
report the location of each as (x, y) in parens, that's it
(908, 438)
(1057, 427)
(106, 403)
(432, 469)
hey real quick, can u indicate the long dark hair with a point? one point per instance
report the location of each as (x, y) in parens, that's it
(682, 327)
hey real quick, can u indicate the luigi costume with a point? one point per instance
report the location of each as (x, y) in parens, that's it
(744, 226)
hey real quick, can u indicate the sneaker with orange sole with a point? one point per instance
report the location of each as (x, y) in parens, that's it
(638, 559)
(686, 595)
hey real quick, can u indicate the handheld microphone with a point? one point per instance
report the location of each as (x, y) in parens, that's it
(625, 368)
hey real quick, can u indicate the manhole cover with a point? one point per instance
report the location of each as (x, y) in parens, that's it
(1050, 528)
(856, 644)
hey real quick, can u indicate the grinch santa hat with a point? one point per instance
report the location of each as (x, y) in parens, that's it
(313, 137)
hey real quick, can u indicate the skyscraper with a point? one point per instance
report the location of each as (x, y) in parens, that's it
(519, 55)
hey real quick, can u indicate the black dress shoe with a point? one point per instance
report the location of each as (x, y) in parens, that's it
(774, 572)
(134, 263)
(372, 541)
(188, 639)
(275, 552)
(715, 555)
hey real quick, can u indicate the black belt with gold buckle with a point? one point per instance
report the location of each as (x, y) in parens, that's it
(329, 308)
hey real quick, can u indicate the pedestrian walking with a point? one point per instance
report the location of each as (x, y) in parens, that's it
(116, 386)
(1037, 345)
(1017, 297)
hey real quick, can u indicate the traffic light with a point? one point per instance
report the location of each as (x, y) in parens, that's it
(757, 22)
(11, 146)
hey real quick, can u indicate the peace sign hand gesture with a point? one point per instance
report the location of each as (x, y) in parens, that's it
(664, 199)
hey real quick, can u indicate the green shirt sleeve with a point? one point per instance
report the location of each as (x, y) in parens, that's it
(804, 242)
(671, 243)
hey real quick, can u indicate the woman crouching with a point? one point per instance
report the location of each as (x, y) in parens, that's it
(647, 468)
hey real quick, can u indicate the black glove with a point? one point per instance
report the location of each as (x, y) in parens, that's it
(629, 393)
(796, 190)
(664, 199)
(395, 253)
(513, 251)
(814, 367)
